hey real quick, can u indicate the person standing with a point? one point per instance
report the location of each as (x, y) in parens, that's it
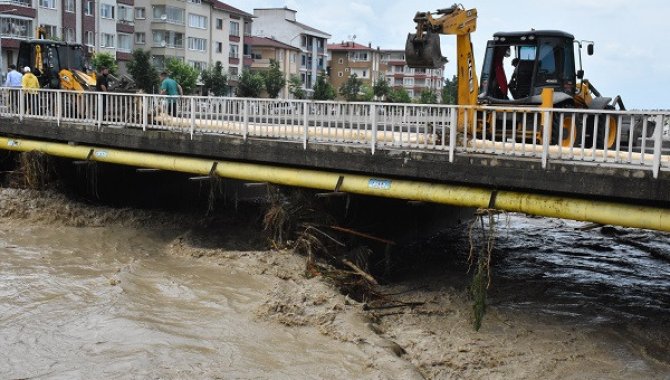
(13, 81)
(29, 83)
(171, 88)
(13, 77)
(102, 85)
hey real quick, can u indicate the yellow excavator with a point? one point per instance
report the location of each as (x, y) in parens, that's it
(536, 59)
(62, 65)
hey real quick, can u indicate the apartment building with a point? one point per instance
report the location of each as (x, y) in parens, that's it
(348, 58)
(281, 24)
(414, 81)
(198, 32)
(264, 50)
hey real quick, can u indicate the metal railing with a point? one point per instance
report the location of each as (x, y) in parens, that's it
(632, 139)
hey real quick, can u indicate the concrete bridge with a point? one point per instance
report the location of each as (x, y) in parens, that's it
(503, 158)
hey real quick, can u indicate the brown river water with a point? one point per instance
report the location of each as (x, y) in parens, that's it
(94, 292)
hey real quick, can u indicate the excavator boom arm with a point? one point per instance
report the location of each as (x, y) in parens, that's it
(422, 49)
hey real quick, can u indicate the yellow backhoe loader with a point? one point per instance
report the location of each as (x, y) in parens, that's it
(61, 65)
(536, 59)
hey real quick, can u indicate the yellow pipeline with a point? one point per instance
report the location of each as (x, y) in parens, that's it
(463, 196)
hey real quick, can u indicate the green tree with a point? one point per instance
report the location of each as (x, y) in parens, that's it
(399, 95)
(274, 79)
(323, 90)
(250, 85)
(450, 91)
(428, 97)
(350, 89)
(381, 88)
(295, 87)
(143, 72)
(183, 73)
(214, 80)
(367, 93)
(105, 60)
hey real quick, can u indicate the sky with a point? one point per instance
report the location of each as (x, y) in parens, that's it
(632, 38)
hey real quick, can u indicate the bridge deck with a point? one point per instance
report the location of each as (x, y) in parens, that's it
(385, 140)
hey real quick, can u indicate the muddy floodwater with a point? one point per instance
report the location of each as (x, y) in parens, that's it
(93, 292)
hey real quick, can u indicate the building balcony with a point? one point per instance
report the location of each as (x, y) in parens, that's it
(263, 63)
(19, 3)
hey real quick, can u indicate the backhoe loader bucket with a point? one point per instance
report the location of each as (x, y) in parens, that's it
(424, 52)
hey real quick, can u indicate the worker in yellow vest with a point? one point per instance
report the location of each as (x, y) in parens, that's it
(29, 83)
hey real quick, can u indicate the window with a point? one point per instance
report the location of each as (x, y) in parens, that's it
(198, 65)
(197, 21)
(233, 73)
(140, 13)
(168, 39)
(158, 61)
(234, 28)
(51, 31)
(247, 29)
(107, 40)
(195, 1)
(408, 81)
(15, 27)
(125, 42)
(340, 61)
(125, 14)
(106, 11)
(140, 38)
(293, 56)
(69, 6)
(219, 47)
(90, 8)
(199, 44)
(359, 56)
(169, 14)
(340, 74)
(51, 4)
(234, 51)
(219, 23)
(90, 38)
(69, 35)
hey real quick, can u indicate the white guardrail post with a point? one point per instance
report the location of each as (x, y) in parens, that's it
(59, 106)
(99, 110)
(546, 130)
(192, 116)
(22, 104)
(453, 129)
(245, 115)
(145, 112)
(658, 145)
(373, 120)
(305, 124)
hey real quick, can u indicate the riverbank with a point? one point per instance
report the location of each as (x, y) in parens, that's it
(160, 294)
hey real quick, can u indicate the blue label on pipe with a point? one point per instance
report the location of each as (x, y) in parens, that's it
(12, 143)
(381, 184)
(100, 153)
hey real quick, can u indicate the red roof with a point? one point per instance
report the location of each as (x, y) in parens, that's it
(216, 4)
(347, 46)
(268, 42)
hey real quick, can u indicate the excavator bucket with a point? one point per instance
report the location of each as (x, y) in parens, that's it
(424, 52)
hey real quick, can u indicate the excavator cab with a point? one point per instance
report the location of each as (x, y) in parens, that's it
(519, 65)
